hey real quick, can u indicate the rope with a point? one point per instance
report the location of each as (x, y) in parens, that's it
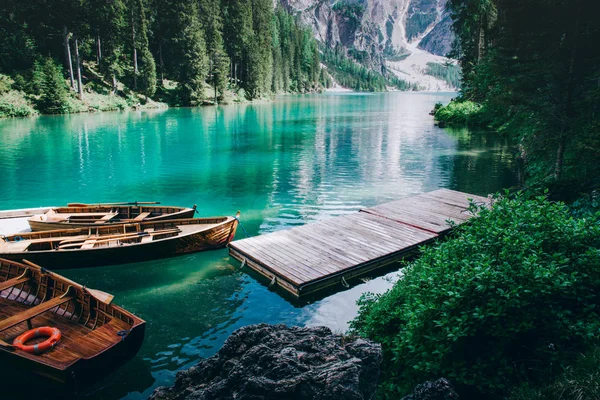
(123, 333)
(344, 283)
(242, 226)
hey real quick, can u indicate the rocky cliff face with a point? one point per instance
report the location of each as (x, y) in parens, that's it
(378, 27)
(381, 32)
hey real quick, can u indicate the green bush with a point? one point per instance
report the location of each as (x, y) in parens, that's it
(511, 292)
(458, 112)
(5, 83)
(15, 104)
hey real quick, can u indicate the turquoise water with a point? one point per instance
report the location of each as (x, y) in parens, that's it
(283, 164)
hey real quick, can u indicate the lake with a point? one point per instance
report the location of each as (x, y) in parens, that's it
(283, 164)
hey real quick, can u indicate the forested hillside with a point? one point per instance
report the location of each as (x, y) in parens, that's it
(530, 70)
(72, 55)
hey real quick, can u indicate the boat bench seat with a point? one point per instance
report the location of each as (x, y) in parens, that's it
(107, 217)
(141, 216)
(33, 312)
(88, 244)
(18, 247)
(147, 238)
(13, 282)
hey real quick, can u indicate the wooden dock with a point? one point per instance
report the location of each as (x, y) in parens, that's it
(311, 257)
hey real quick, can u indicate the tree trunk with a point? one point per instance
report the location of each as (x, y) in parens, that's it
(114, 84)
(135, 63)
(569, 108)
(98, 50)
(79, 85)
(68, 60)
(162, 64)
(480, 41)
(560, 155)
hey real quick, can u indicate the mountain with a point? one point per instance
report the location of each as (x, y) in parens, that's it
(401, 36)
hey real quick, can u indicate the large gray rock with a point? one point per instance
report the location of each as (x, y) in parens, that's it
(436, 390)
(279, 362)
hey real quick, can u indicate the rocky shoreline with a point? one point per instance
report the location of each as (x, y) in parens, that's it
(279, 362)
(273, 362)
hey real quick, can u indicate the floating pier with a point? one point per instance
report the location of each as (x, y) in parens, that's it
(312, 257)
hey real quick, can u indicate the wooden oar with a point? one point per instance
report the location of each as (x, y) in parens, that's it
(99, 295)
(131, 203)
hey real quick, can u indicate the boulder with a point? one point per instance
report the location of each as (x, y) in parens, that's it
(436, 390)
(278, 362)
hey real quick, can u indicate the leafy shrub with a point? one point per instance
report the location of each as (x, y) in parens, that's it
(458, 112)
(512, 291)
(105, 102)
(15, 104)
(5, 83)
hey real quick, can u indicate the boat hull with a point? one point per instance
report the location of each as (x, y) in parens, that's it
(85, 371)
(97, 336)
(214, 238)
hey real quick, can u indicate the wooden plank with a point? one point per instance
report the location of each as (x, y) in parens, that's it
(13, 282)
(274, 262)
(141, 216)
(278, 248)
(32, 312)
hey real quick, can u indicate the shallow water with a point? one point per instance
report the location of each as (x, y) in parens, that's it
(283, 164)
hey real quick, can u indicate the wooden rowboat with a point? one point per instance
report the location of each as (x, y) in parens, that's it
(97, 336)
(78, 215)
(119, 244)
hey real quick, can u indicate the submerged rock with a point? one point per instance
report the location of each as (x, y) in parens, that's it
(279, 362)
(436, 390)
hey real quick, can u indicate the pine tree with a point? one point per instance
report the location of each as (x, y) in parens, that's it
(238, 32)
(109, 25)
(53, 88)
(217, 57)
(148, 66)
(193, 67)
(277, 81)
(260, 57)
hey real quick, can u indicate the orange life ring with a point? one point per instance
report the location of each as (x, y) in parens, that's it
(54, 337)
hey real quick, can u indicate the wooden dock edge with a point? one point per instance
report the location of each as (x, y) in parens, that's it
(264, 271)
(329, 280)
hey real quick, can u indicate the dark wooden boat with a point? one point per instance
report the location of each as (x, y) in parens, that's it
(97, 336)
(119, 244)
(77, 215)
